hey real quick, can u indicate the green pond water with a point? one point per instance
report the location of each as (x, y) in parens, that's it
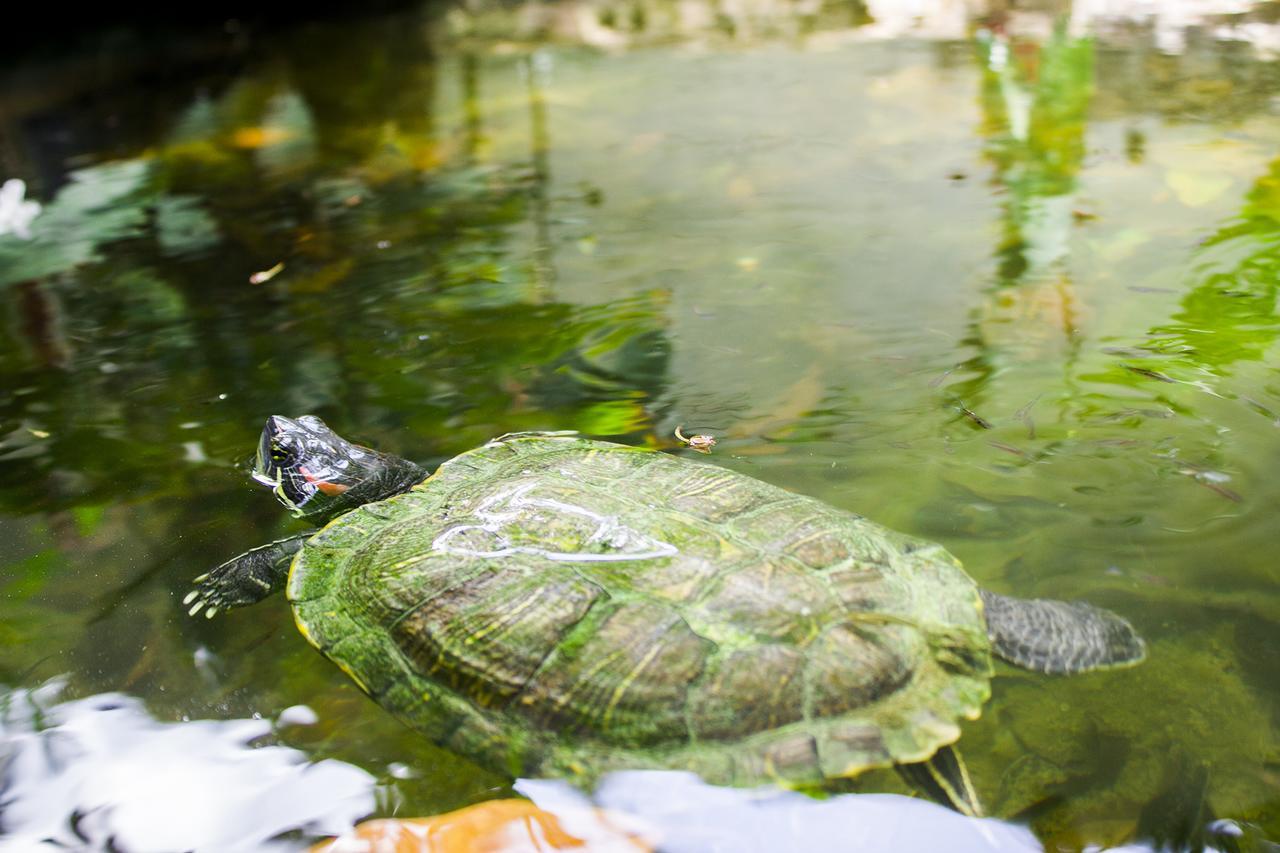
(1004, 281)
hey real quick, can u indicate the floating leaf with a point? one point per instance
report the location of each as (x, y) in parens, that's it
(266, 275)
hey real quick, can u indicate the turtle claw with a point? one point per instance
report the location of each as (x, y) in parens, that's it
(245, 579)
(216, 590)
(204, 596)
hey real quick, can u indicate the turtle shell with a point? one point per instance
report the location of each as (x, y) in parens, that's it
(550, 604)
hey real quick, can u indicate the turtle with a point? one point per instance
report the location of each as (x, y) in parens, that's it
(549, 604)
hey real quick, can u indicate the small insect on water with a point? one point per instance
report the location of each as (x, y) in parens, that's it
(700, 443)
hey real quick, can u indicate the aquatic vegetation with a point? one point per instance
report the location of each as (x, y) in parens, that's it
(101, 205)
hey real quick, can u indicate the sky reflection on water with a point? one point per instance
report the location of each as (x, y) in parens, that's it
(100, 772)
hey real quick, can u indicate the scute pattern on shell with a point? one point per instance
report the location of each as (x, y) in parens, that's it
(554, 604)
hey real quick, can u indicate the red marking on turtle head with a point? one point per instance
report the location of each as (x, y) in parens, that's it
(324, 486)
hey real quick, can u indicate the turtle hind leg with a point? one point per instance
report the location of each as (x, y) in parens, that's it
(943, 778)
(245, 579)
(1059, 637)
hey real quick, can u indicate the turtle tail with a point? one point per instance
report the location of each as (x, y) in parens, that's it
(1059, 637)
(943, 778)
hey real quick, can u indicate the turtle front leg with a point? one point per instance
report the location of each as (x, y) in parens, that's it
(246, 579)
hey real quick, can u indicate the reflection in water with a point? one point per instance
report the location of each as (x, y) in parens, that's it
(1035, 97)
(688, 815)
(100, 773)
(535, 70)
(677, 813)
(508, 518)
(444, 330)
(1229, 313)
(812, 228)
(16, 211)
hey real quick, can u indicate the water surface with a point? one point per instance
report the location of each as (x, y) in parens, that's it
(1006, 281)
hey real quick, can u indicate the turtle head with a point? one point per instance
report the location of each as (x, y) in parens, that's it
(318, 474)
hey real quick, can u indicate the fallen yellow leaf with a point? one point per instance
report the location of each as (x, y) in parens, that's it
(498, 826)
(258, 137)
